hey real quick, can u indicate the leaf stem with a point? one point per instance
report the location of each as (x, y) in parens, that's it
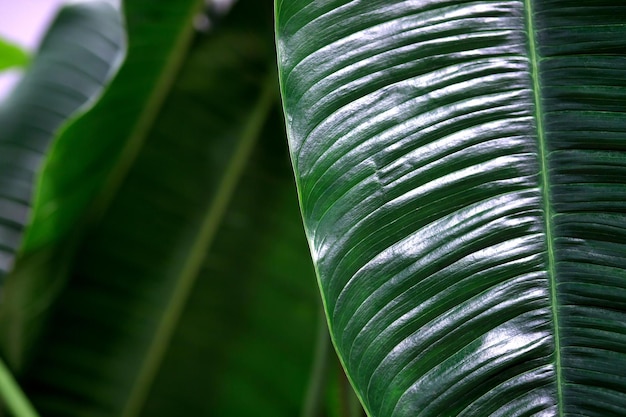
(354, 405)
(192, 265)
(13, 396)
(145, 121)
(319, 370)
(350, 404)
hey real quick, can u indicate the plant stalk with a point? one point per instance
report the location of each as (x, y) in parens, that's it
(317, 382)
(192, 265)
(350, 404)
(13, 396)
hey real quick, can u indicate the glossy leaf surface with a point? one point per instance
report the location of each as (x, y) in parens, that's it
(460, 167)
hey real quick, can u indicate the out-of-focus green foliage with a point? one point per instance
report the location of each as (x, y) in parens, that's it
(163, 270)
(11, 55)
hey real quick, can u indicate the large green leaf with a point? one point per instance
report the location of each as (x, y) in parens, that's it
(461, 170)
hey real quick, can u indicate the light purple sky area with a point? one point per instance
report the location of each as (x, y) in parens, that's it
(23, 22)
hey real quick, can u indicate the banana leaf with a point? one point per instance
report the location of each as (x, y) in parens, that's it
(461, 168)
(80, 53)
(89, 157)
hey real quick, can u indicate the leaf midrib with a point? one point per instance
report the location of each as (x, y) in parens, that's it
(545, 190)
(190, 269)
(145, 121)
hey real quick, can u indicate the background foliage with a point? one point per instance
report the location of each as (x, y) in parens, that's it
(164, 270)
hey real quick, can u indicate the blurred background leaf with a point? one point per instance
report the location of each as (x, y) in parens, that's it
(78, 56)
(12, 55)
(87, 162)
(166, 267)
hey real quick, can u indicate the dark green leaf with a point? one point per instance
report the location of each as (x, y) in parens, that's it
(460, 166)
(159, 36)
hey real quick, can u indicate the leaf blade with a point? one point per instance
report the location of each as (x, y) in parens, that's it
(424, 167)
(53, 89)
(150, 241)
(584, 113)
(73, 191)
